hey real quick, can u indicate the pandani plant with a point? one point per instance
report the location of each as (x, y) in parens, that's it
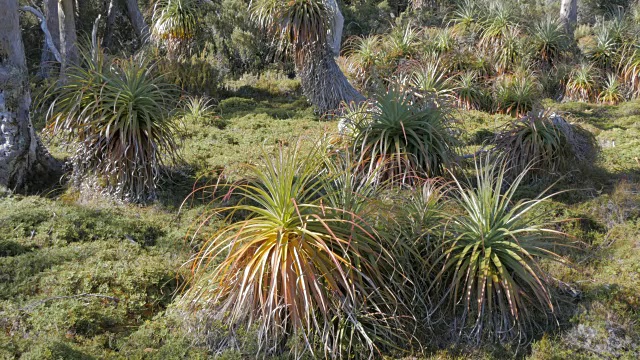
(115, 115)
(489, 267)
(302, 28)
(407, 141)
(543, 144)
(611, 93)
(298, 262)
(582, 83)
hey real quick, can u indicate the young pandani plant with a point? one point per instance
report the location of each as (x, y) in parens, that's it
(401, 141)
(490, 263)
(543, 144)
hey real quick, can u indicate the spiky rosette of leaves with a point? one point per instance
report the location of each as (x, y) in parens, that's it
(466, 18)
(543, 144)
(630, 69)
(430, 82)
(405, 140)
(491, 273)
(499, 19)
(302, 24)
(401, 42)
(175, 23)
(115, 116)
(516, 94)
(364, 53)
(612, 92)
(582, 83)
(549, 39)
(468, 92)
(297, 267)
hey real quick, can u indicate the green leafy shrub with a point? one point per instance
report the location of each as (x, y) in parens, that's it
(264, 86)
(236, 104)
(198, 73)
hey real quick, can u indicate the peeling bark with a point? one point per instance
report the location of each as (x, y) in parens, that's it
(50, 8)
(21, 153)
(48, 39)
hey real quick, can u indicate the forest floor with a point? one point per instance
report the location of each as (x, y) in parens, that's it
(90, 279)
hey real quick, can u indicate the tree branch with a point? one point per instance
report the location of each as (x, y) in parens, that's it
(47, 35)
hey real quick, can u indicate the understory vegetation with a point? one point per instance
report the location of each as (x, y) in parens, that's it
(95, 279)
(476, 195)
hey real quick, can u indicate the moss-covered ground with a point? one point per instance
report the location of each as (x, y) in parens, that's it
(94, 279)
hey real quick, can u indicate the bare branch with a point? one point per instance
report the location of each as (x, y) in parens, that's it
(47, 35)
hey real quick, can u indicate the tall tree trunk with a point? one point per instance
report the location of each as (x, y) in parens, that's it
(21, 153)
(47, 58)
(112, 12)
(337, 25)
(569, 14)
(68, 36)
(137, 20)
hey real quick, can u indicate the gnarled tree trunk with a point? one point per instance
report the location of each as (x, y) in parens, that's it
(21, 153)
(68, 36)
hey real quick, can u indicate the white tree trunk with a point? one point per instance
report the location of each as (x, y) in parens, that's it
(68, 36)
(20, 149)
(337, 25)
(569, 14)
(137, 20)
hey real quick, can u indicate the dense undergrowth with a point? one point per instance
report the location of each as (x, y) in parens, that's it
(89, 279)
